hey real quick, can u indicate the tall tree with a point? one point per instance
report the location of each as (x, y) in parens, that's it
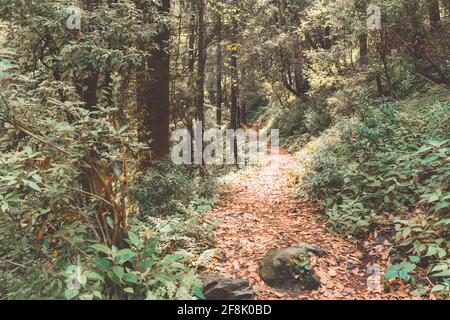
(200, 116)
(200, 95)
(154, 92)
(219, 62)
(234, 86)
(434, 13)
(361, 6)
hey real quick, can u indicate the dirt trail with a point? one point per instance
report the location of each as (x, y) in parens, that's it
(260, 213)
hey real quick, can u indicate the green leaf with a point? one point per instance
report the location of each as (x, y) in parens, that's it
(424, 149)
(408, 267)
(101, 248)
(32, 185)
(97, 294)
(70, 294)
(170, 258)
(103, 264)
(94, 276)
(119, 272)
(404, 275)
(133, 239)
(392, 272)
(131, 278)
(437, 143)
(82, 280)
(124, 255)
(438, 288)
(430, 159)
(37, 178)
(198, 292)
(129, 290)
(163, 278)
(123, 129)
(87, 297)
(442, 205)
(441, 274)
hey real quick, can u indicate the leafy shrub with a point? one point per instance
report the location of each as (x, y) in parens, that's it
(169, 189)
(135, 273)
(155, 264)
(393, 161)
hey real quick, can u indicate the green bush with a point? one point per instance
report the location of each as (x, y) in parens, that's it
(157, 262)
(394, 161)
(169, 189)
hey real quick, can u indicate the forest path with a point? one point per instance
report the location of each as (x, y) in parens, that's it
(260, 213)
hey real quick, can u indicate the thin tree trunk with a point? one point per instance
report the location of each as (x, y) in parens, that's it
(201, 62)
(361, 7)
(234, 91)
(191, 42)
(234, 99)
(363, 48)
(434, 14)
(219, 72)
(200, 99)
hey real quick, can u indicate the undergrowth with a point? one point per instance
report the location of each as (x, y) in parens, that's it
(389, 167)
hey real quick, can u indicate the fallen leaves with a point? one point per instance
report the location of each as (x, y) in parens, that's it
(259, 214)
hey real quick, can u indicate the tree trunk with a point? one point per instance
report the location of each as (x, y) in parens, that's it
(219, 72)
(156, 113)
(418, 43)
(234, 99)
(234, 91)
(191, 42)
(434, 14)
(299, 79)
(89, 87)
(363, 48)
(201, 63)
(361, 7)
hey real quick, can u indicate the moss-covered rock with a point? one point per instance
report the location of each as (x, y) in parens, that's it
(290, 268)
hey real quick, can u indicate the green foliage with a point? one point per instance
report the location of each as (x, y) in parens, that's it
(401, 271)
(390, 167)
(203, 205)
(296, 119)
(48, 212)
(68, 103)
(303, 266)
(4, 65)
(170, 189)
(135, 273)
(154, 266)
(42, 167)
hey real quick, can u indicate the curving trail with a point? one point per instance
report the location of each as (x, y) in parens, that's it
(259, 213)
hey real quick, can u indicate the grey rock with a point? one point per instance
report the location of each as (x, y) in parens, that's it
(279, 269)
(315, 250)
(219, 287)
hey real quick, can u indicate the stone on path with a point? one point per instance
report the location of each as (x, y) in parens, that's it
(219, 287)
(290, 268)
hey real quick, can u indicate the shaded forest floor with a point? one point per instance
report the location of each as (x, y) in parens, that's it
(260, 213)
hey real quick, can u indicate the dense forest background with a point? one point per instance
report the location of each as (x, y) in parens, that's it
(85, 131)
